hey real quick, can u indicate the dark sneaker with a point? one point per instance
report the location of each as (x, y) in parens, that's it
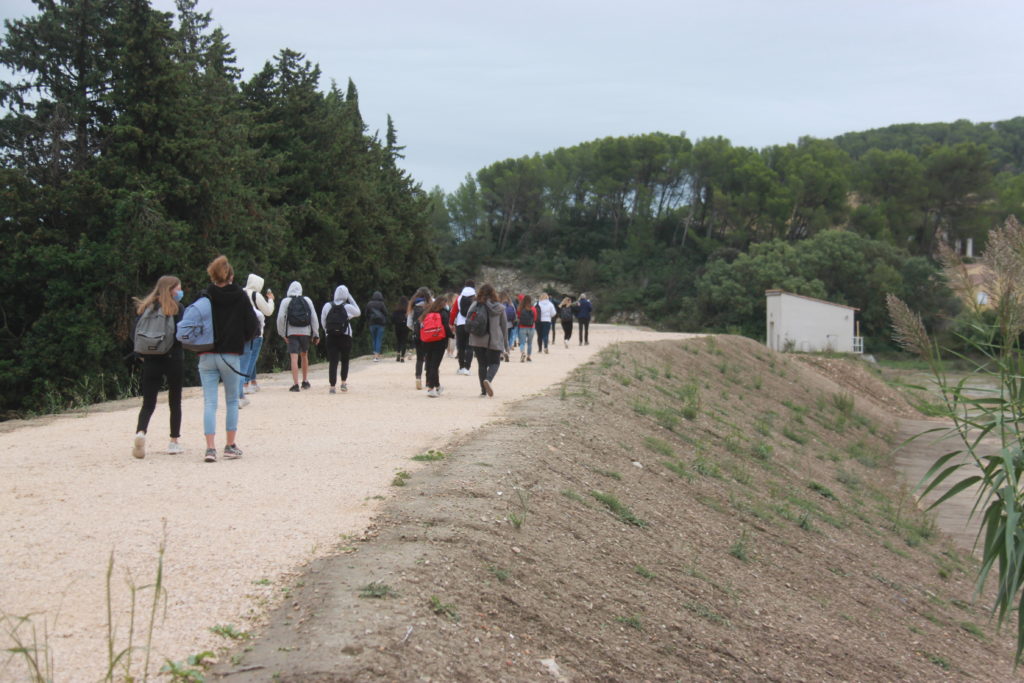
(295, 387)
(232, 452)
(305, 385)
(333, 390)
(211, 455)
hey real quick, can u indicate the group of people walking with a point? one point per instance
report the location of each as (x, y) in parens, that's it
(482, 324)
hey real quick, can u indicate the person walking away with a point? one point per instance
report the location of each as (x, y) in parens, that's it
(401, 329)
(465, 300)
(546, 314)
(234, 323)
(489, 348)
(420, 300)
(377, 316)
(336, 319)
(583, 314)
(565, 316)
(434, 332)
(297, 324)
(510, 318)
(264, 307)
(526, 317)
(162, 310)
(451, 300)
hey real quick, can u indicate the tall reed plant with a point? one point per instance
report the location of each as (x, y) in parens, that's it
(986, 408)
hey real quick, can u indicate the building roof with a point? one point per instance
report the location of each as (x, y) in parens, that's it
(777, 292)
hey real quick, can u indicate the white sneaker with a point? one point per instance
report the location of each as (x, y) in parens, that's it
(254, 387)
(243, 402)
(139, 446)
(440, 390)
(175, 448)
(432, 393)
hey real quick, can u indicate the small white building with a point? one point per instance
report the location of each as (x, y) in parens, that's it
(802, 323)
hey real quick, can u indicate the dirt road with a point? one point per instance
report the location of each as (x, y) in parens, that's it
(315, 469)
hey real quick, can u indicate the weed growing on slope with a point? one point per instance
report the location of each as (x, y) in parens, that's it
(617, 508)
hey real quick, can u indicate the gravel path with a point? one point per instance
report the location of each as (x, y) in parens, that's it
(316, 468)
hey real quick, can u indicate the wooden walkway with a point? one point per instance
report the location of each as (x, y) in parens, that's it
(915, 459)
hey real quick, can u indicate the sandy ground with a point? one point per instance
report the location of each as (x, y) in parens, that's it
(315, 469)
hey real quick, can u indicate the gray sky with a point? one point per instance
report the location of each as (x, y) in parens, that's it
(469, 83)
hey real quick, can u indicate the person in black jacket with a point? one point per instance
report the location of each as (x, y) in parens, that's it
(234, 323)
(166, 295)
(398, 319)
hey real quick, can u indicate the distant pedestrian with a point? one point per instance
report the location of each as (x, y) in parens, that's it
(510, 317)
(489, 348)
(234, 323)
(546, 313)
(420, 300)
(264, 308)
(377, 317)
(465, 300)
(336, 319)
(435, 331)
(162, 311)
(584, 311)
(565, 316)
(298, 326)
(526, 317)
(401, 329)
(451, 299)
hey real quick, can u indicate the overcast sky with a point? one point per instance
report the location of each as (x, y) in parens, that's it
(471, 82)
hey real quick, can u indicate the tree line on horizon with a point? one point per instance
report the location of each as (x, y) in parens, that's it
(688, 235)
(131, 148)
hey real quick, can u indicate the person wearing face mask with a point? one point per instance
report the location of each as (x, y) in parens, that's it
(166, 299)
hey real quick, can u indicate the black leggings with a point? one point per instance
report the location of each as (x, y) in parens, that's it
(339, 347)
(487, 363)
(567, 329)
(154, 369)
(584, 330)
(402, 337)
(434, 351)
(421, 356)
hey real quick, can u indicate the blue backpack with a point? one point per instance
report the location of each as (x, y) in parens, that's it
(195, 331)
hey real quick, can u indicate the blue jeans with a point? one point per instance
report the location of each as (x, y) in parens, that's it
(513, 333)
(250, 371)
(526, 340)
(243, 363)
(377, 335)
(215, 368)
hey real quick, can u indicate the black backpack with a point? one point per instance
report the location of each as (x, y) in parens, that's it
(565, 314)
(465, 303)
(336, 321)
(526, 317)
(298, 312)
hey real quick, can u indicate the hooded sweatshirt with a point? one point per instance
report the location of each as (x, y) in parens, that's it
(234, 321)
(264, 307)
(341, 298)
(377, 310)
(286, 330)
(460, 319)
(497, 340)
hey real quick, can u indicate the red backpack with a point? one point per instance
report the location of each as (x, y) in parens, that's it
(432, 328)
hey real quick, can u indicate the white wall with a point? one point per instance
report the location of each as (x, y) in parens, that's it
(809, 324)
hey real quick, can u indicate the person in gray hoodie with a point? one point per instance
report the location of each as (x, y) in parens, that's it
(377, 316)
(298, 325)
(489, 348)
(338, 338)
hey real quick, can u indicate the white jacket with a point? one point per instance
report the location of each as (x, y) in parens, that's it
(254, 291)
(547, 310)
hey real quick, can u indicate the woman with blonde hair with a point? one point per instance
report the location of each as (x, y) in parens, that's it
(234, 323)
(565, 316)
(163, 299)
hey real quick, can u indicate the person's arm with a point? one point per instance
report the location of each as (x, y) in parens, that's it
(282, 317)
(455, 312)
(314, 322)
(323, 314)
(266, 306)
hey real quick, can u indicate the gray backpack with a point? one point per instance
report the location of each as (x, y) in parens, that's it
(154, 333)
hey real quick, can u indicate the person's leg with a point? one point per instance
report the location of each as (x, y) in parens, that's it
(295, 367)
(378, 338)
(435, 354)
(401, 339)
(209, 376)
(579, 331)
(345, 351)
(333, 352)
(225, 363)
(305, 366)
(175, 380)
(421, 357)
(529, 341)
(481, 365)
(250, 372)
(462, 349)
(585, 336)
(243, 366)
(153, 369)
(512, 334)
(522, 343)
(493, 363)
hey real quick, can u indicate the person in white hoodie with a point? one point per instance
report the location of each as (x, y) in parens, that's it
(264, 307)
(336, 317)
(462, 304)
(298, 325)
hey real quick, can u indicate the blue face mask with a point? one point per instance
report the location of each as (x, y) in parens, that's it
(179, 295)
